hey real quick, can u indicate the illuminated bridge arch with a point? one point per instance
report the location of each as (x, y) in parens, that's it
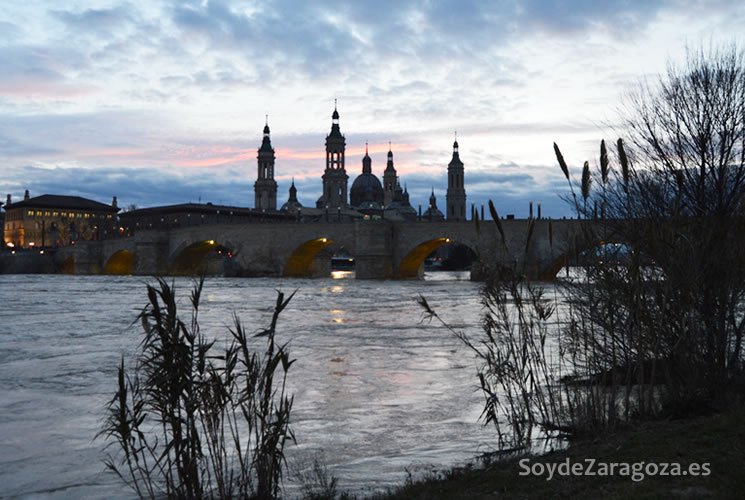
(299, 263)
(195, 259)
(412, 262)
(121, 262)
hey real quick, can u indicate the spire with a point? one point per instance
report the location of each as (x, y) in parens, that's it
(455, 143)
(366, 162)
(293, 191)
(266, 143)
(433, 199)
(389, 166)
(335, 131)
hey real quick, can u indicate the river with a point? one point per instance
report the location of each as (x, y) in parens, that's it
(377, 390)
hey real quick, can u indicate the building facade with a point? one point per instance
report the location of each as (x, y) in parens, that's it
(49, 221)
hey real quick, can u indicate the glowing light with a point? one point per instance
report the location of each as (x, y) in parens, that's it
(41, 252)
(324, 240)
(212, 242)
(11, 245)
(30, 243)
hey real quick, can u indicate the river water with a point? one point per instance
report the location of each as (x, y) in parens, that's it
(377, 390)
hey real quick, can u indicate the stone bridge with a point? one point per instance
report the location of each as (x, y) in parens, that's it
(381, 249)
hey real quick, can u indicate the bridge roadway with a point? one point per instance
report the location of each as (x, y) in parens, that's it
(381, 249)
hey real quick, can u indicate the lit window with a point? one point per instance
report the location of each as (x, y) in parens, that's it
(31, 212)
(87, 215)
(38, 213)
(108, 217)
(64, 214)
(46, 214)
(55, 214)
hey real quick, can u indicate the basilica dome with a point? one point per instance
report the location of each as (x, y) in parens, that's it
(366, 188)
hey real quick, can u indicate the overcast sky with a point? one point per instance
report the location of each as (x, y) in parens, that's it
(160, 102)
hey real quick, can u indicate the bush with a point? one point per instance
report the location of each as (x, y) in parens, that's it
(190, 422)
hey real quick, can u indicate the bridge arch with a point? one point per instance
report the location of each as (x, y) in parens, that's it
(613, 250)
(202, 257)
(120, 262)
(299, 262)
(411, 263)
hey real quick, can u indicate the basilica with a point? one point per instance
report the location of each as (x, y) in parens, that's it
(369, 198)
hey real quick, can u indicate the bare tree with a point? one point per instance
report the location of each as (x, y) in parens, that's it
(673, 310)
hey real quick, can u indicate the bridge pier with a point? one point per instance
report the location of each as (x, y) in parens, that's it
(151, 256)
(373, 256)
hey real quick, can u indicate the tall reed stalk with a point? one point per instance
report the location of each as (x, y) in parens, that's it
(193, 421)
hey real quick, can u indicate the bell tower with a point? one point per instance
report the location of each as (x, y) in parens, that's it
(390, 179)
(265, 187)
(335, 176)
(456, 194)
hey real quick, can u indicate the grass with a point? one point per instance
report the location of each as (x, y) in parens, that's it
(717, 439)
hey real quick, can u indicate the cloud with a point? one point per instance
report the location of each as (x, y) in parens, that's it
(41, 71)
(173, 93)
(98, 22)
(137, 186)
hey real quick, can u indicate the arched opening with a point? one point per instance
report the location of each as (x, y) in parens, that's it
(68, 266)
(343, 264)
(435, 255)
(452, 256)
(206, 257)
(573, 263)
(121, 262)
(300, 263)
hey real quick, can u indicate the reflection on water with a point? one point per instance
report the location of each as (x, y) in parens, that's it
(340, 275)
(376, 389)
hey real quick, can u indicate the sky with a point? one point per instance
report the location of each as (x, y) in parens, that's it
(163, 102)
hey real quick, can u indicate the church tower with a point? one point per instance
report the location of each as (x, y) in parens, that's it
(456, 193)
(265, 187)
(390, 180)
(335, 177)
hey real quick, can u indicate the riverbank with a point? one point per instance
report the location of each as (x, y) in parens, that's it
(715, 442)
